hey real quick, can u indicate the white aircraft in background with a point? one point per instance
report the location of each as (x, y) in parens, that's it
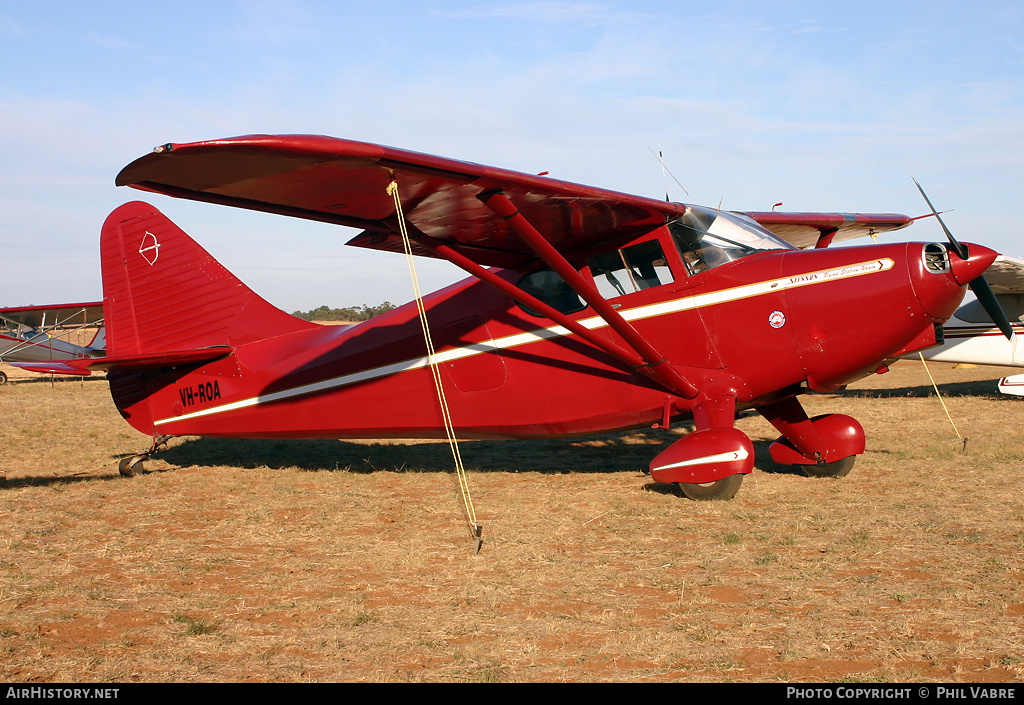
(971, 337)
(30, 333)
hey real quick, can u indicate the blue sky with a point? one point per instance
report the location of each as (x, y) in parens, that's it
(822, 106)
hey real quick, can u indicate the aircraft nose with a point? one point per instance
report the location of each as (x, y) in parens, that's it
(979, 258)
(941, 276)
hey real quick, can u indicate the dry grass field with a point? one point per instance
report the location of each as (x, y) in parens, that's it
(340, 561)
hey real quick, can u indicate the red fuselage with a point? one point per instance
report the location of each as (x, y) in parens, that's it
(762, 327)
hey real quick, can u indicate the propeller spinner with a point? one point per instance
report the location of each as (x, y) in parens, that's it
(978, 285)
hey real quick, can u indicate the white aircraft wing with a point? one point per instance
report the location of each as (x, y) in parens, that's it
(1006, 275)
(971, 337)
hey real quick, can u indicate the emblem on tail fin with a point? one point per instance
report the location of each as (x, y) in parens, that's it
(150, 248)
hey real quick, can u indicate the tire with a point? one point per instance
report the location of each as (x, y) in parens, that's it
(131, 465)
(726, 488)
(838, 468)
(3, 378)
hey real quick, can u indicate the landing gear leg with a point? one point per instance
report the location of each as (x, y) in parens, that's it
(709, 463)
(133, 464)
(825, 446)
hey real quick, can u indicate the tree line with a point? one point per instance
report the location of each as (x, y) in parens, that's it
(353, 313)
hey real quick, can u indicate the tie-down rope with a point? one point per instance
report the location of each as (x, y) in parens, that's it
(460, 471)
(943, 402)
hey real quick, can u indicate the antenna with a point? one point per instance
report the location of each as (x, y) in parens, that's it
(661, 158)
(664, 170)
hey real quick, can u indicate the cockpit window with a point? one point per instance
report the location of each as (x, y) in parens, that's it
(550, 288)
(708, 238)
(630, 269)
(15, 329)
(616, 273)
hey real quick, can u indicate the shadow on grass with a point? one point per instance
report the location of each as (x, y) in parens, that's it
(976, 388)
(630, 451)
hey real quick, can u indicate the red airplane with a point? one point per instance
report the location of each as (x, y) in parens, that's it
(587, 311)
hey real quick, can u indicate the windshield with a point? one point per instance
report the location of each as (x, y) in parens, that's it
(708, 238)
(13, 328)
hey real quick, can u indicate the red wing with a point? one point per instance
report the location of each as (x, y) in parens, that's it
(805, 229)
(55, 315)
(344, 182)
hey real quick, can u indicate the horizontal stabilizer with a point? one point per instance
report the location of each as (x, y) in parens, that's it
(85, 366)
(1012, 385)
(54, 368)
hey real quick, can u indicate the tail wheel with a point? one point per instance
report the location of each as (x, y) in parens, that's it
(726, 488)
(128, 467)
(838, 468)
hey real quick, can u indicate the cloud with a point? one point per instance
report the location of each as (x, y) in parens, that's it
(813, 27)
(551, 12)
(9, 27)
(277, 22)
(105, 42)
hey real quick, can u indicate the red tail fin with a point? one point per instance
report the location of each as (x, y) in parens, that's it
(162, 292)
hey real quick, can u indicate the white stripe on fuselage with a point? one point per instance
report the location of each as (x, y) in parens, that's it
(664, 308)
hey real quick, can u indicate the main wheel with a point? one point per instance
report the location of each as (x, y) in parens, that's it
(838, 468)
(726, 488)
(3, 378)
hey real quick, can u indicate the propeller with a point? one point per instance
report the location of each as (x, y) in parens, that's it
(979, 286)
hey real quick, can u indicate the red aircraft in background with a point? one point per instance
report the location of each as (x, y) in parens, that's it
(587, 311)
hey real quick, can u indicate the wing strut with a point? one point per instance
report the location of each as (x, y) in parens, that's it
(654, 364)
(627, 357)
(825, 239)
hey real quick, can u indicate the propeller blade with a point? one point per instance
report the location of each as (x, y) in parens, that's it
(979, 286)
(960, 250)
(990, 303)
